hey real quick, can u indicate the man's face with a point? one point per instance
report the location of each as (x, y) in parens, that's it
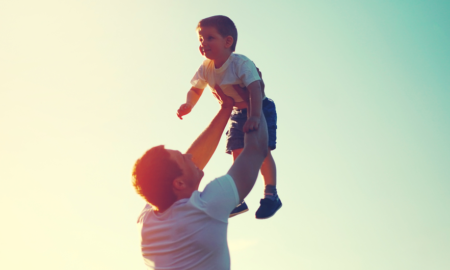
(212, 44)
(191, 174)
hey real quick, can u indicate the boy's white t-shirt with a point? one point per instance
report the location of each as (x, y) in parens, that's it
(192, 233)
(238, 69)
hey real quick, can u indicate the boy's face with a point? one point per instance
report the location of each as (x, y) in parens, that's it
(212, 44)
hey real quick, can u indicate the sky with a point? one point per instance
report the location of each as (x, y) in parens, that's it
(362, 90)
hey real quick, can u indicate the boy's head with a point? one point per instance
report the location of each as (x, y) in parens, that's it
(224, 26)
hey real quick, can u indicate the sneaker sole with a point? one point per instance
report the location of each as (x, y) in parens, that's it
(270, 215)
(237, 213)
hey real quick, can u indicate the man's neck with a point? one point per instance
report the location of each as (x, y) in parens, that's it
(218, 63)
(184, 194)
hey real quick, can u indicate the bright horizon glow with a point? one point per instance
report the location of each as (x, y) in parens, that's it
(362, 94)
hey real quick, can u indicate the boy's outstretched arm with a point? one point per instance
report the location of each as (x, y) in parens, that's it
(192, 98)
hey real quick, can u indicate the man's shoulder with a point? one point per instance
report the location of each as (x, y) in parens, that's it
(146, 211)
(222, 180)
(219, 197)
(223, 185)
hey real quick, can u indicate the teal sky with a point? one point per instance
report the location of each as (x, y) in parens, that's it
(362, 90)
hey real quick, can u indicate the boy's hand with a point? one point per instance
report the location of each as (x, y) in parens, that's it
(183, 110)
(251, 124)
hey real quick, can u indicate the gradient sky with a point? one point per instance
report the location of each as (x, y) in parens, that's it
(362, 90)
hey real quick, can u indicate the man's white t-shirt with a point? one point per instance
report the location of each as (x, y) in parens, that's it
(192, 233)
(238, 69)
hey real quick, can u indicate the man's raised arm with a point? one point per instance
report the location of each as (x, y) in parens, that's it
(245, 168)
(205, 145)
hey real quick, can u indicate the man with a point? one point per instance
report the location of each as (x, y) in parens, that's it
(182, 228)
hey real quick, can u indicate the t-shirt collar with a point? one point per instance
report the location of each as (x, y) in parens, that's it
(225, 65)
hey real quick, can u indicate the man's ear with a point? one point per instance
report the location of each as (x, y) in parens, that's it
(229, 41)
(178, 183)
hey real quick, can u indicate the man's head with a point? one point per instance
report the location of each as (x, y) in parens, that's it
(162, 176)
(217, 34)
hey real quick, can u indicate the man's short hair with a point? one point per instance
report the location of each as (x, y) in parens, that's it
(224, 25)
(153, 175)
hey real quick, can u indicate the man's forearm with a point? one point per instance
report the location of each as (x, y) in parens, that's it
(245, 168)
(205, 145)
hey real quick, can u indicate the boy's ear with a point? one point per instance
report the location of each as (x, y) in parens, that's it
(229, 41)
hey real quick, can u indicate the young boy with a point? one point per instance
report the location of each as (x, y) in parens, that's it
(218, 37)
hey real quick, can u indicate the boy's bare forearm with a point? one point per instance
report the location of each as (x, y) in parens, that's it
(193, 96)
(255, 98)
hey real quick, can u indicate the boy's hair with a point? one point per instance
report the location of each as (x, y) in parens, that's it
(224, 25)
(153, 175)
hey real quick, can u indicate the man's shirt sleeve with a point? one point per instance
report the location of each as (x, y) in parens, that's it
(220, 197)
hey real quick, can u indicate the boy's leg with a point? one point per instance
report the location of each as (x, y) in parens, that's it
(271, 202)
(269, 170)
(236, 153)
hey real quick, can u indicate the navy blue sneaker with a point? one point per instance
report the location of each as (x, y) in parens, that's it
(268, 208)
(239, 209)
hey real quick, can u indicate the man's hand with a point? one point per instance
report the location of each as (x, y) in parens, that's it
(251, 124)
(183, 110)
(224, 100)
